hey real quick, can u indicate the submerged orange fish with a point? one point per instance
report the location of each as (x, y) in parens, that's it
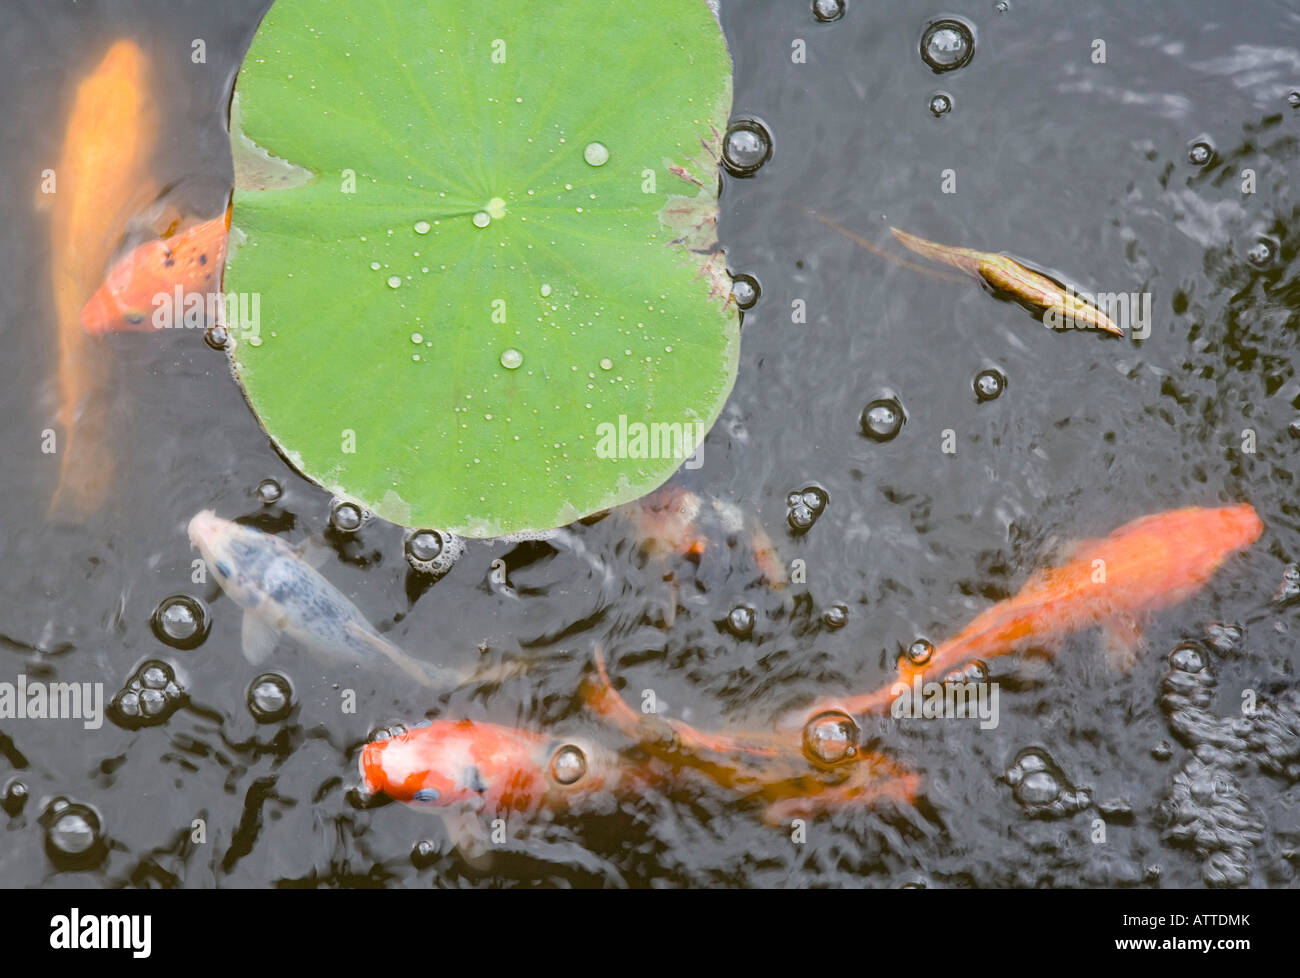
(1112, 583)
(191, 260)
(467, 769)
(102, 179)
(791, 773)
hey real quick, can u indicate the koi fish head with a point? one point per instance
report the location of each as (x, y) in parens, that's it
(146, 281)
(481, 765)
(238, 556)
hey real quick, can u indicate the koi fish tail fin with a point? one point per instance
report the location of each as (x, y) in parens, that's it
(875, 780)
(601, 697)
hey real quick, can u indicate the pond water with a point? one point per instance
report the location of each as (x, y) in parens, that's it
(1125, 175)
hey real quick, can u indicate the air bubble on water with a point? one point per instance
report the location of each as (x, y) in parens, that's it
(1002, 6)
(1200, 152)
(421, 227)
(73, 835)
(947, 44)
(568, 764)
(346, 517)
(180, 621)
(836, 616)
(433, 552)
(740, 621)
(596, 154)
(745, 290)
(828, 10)
(216, 336)
(268, 491)
(270, 697)
(940, 104)
(989, 384)
(919, 652)
(746, 147)
(1187, 657)
(882, 419)
(14, 797)
(830, 737)
(511, 358)
(1262, 252)
(423, 854)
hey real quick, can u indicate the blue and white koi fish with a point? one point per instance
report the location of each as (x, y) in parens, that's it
(282, 594)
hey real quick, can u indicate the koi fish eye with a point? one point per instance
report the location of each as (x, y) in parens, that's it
(427, 794)
(133, 317)
(568, 764)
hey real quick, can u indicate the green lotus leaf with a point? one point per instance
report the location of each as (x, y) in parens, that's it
(503, 260)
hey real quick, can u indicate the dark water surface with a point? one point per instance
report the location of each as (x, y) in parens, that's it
(1075, 166)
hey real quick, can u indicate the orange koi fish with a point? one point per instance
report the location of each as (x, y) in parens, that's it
(793, 774)
(487, 767)
(191, 260)
(1112, 583)
(467, 769)
(101, 180)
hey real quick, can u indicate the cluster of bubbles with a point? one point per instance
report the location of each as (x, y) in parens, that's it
(745, 290)
(433, 552)
(1206, 809)
(746, 147)
(1289, 590)
(180, 621)
(74, 836)
(804, 507)
(883, 419)
(947, 44)
(1041, 788)
(270, 698)
(149, 697)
